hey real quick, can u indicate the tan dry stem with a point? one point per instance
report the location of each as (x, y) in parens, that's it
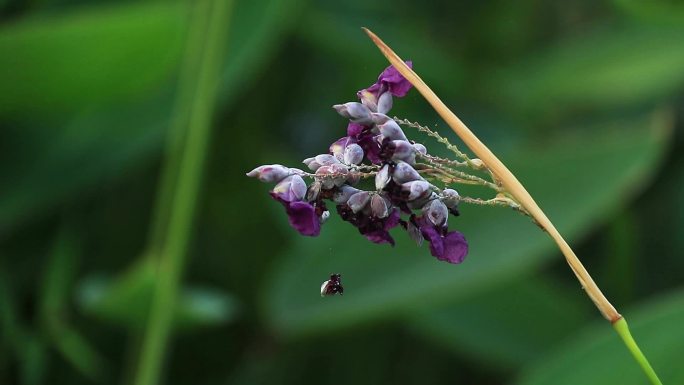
(508, 180)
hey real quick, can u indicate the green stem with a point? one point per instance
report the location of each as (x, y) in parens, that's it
(213, 16)
(623, 330)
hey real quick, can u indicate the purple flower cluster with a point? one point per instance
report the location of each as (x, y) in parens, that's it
(399, 188)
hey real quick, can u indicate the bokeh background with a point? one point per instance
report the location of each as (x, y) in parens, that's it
(99, 99)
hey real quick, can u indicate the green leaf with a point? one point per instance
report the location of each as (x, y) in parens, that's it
(507, 325)
(45, 165)
(607, 67)
(597, 356)
(659, 11)
(576, 179)
(126, 301)
(98, 55)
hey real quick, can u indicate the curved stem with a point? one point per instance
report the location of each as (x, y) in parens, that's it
(518, 192)
(623, 331)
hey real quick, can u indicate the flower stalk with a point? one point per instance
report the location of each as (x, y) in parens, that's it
(519, 194)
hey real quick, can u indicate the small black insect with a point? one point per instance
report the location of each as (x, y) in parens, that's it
(332, 286)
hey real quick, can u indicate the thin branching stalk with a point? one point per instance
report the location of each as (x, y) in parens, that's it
(513, 187)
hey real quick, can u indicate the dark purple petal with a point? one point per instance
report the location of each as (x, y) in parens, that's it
(389, 80)
(392, 220)
(394, 81)
(451, 247)
(379, 236)
(455, 248)
(368, 142)
(303, 218)
(383, 235)
(354, 129)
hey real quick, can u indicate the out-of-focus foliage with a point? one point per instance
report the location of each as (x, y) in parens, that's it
(582, 100)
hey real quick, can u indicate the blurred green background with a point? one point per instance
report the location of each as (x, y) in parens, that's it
(98, 100)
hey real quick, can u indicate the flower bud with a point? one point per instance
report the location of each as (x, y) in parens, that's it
(404, 172)
(338, 147)
(390, 129)
(332, 175)
(270, 173)
(384, 103)
(417, 189)
(479, 164)
(291, 189)
(378, 118)
(450, 198)
(368, 99)
(380, 206)
(343, 194)
(402, 150)
(296, 171)
(341, 171)
(358, 201)
(420, 148)
(353, 154)
(419, 203)
(436, 212)
(320, 160)
(382, 178)
(356, 112)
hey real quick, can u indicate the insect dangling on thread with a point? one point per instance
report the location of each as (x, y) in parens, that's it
(332, 286)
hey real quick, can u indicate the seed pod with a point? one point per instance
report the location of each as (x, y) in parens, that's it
(358, 201)
(390, 129)
(356, 112)
(270, 173)
(436, 212)
(384, 103)
(353, 154)
(404, 172)
(382, 178)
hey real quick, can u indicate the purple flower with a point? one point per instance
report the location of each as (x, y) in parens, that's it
(302, 216)
(381, 233)
(389, 80)
(371, 148)
(290, 192)
(374, 229)
(448, 246)
(354, 129)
